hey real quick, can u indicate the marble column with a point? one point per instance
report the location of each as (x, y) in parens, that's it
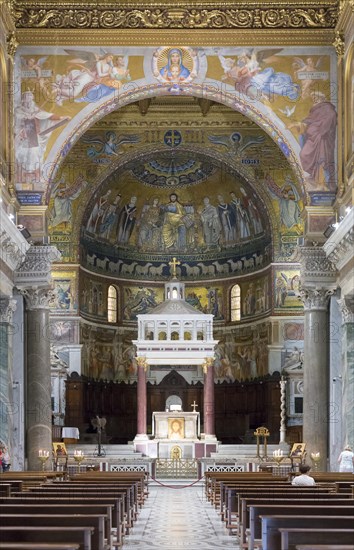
(141, 399)
(38, 377)
(316, 373)
(209, 400)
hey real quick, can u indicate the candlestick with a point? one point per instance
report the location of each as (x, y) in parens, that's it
(316, 458)
(79, 456)
(43, 457)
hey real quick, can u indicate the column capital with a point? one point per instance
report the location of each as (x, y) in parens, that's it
(37, 298)
(318, 277)
(7, 308)
(315, 298)
(36, 268)
(346, 305)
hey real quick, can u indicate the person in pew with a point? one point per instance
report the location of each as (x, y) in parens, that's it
(304, 478)
(346, 460)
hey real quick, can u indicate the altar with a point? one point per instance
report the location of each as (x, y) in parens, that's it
(176, 425)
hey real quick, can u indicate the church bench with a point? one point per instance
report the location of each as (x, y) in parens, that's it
(292, 536)
(229, 499)
(63, 520)
(15, 484)
(121, 489)
(344, 486)
(280, 503)
(82, 535)
(324, 547)
(115, 477)
(5, 489)
(332, 476)
(63, 510)
(256, 510)
(37, 546)
(76, 506)
(213, 480)
(126, 505)
(271, 539)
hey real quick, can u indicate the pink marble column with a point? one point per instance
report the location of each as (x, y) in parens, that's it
(141, 400)
(209, 402)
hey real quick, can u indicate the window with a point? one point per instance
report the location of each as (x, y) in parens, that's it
(236, 303)
(112, 304)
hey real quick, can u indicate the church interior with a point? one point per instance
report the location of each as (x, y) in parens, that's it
(177, 230)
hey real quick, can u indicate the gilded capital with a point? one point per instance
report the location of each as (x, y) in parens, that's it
(208, 362)
(339, 44)
(11, 44)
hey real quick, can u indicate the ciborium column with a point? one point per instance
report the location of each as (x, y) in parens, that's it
(209, 398)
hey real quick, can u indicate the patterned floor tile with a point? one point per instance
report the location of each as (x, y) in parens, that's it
(174, 519)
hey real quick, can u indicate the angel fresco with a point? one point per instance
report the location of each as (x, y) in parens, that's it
(236, 143)
(101, 148)
(307, 72)
(96, 76)
(251, 75)
(33, 68)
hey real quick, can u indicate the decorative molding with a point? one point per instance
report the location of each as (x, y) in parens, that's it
(36, 269)
(316, 268)
(339, 246)
(37, 298)
(315, 298)
(7, 308)
(209, 15)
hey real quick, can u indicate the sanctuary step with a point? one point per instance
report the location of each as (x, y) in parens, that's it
(245, 452)
(109, 451)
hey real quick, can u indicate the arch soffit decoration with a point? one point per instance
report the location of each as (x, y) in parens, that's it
(256, 112)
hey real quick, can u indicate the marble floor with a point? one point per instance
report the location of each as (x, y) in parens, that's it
(172, 519)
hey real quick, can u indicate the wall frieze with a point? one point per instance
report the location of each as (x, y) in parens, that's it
(50, 15)
(315, 266)
(13, 246)
(346, 305)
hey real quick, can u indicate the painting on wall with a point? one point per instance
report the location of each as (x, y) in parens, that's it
(64, 294)
(254, 297)
(140, 300)
(287, 290)
(207, 300)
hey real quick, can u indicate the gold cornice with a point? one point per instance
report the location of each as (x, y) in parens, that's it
(140, 37)
(182, 15)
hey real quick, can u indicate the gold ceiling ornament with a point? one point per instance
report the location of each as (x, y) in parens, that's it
(11, 44)
(208, 15)
(339, 43)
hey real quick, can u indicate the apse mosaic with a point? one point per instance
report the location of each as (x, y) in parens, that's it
(290, 90)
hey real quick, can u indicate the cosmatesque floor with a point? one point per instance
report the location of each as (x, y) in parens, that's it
(173, 519)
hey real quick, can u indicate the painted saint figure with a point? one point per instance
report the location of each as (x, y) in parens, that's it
(126, 221)
(174, 67)
(211, 224)
(174, 231)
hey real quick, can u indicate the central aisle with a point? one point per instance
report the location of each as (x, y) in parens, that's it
(172, 519)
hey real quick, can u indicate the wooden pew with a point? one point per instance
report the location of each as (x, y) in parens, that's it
(37, 546)
(82, 535)
(290, 537)
(15, 484)
(75, 506)
(293, 499)
(258, 510)
(61, 520)
(271, 539)
(324, 547)
(104, 510)
(121, 499)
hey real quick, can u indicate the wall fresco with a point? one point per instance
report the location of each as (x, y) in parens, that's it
(287, 290)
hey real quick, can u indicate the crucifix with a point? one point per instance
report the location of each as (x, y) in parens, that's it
(194, 405)
(174, 263)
